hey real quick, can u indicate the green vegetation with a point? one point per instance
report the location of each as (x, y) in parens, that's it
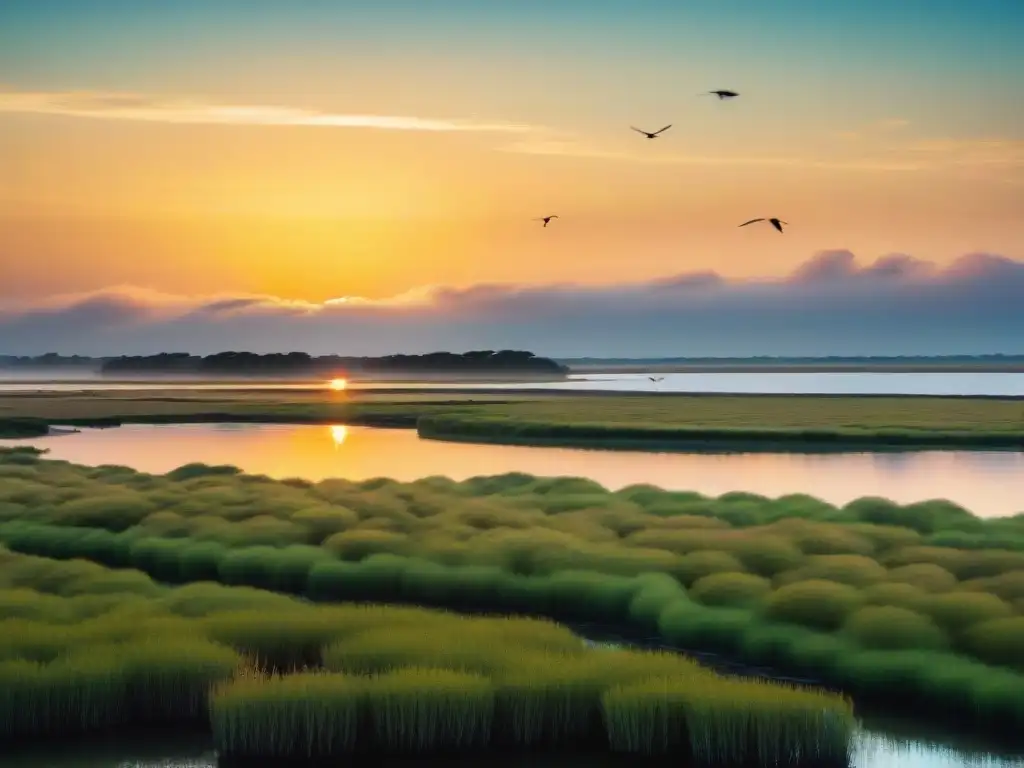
(85, 648)
(637, 421)
(872, 597)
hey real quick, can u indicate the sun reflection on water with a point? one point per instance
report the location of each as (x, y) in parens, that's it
(339, 434)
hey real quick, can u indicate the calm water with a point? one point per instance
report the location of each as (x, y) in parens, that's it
(987, 483)
(873, 749)
(853, 383)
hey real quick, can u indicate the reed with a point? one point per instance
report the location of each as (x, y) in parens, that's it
(309, 714)
(100, 686)
(422, 710)
(728, 722)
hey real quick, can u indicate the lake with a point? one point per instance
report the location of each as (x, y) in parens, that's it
(989, 483)
(769, 382)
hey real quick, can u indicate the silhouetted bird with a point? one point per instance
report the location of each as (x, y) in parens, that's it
(721, 94)
(656, 379)
(546, 219)
(777, 223)
(652, 135)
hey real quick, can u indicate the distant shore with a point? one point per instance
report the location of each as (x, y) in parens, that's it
(811, 367)
(17, 376)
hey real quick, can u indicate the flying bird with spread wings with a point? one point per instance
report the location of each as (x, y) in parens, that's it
(546, 219)
(651, 135)
(777, 223)
(721, 94)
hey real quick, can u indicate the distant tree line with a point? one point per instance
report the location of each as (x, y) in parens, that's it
(301, 363)
(49, 360)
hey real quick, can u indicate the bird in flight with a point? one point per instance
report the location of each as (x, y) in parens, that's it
(546, 219)
(652, 135)
(656, 379)
(721, 94)
(777, 223)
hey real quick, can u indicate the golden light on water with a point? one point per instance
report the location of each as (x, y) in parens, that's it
(338, 434)
(338, 385)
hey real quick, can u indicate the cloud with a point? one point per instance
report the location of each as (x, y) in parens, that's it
(136, 107)
(830, 304)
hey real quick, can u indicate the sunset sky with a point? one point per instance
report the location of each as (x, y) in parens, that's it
(161, 158)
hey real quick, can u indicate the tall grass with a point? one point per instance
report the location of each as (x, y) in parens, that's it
(277, 677)
(307, 714)
(727, 723)
(158, 680)
(793, 582)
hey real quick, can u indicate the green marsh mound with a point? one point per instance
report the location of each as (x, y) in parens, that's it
(918, 606)
(84, 648)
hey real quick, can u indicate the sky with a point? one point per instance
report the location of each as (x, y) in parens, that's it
(363, 178)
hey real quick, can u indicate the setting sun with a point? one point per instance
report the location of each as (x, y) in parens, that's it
(338, 385)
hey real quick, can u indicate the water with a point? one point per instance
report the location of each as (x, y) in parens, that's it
(991, 384)
(872, 749)
(987, 483)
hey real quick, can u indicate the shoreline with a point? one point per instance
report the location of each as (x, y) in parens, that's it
(630, 421)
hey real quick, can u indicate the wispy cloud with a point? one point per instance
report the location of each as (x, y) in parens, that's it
(830, 304)
(135, 107)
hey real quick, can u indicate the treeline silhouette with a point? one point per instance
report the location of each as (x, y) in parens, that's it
(301, 363)
(49, 360)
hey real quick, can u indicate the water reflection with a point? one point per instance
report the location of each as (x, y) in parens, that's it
(987, 483)
(339, 434)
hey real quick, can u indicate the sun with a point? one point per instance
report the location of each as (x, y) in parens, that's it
(338, 385)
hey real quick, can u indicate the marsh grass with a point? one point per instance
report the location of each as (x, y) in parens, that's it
(727, 722)
(290, 679)
(160, 680)
(307, 714)
(424, 710)
(791, 582)
(525, 701)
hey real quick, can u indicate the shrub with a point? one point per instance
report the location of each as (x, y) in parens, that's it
(814, 538)
(1000, 641)
(1008, 586)
(655, 592)
(817, 604)
(926, 576)
(765, 554)
(891, 628)
(695, 627)
(359, 544)
(855, 570)
(956, 611)
(697, 565)
(900, 595)
(730, 589)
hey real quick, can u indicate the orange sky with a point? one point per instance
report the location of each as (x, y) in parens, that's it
(149, 195)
